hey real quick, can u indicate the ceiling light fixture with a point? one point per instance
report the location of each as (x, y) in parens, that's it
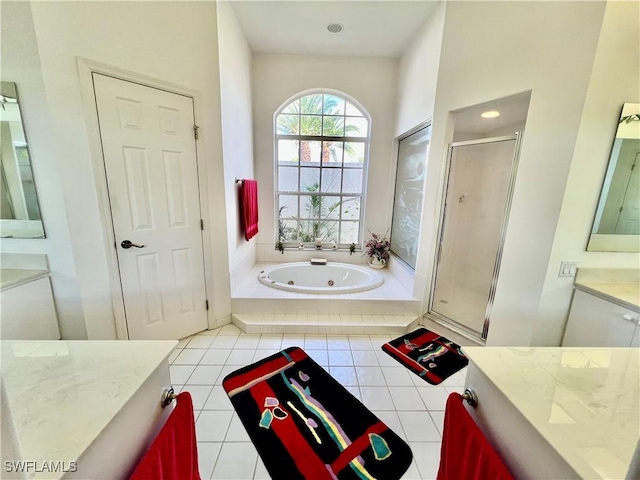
(490, 114)
(335, 27)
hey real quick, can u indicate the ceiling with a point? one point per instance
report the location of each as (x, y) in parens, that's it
(513, 111)
(299, 27)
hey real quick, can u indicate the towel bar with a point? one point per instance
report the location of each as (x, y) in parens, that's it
(168, 396)
(238, 180)
(470, 396)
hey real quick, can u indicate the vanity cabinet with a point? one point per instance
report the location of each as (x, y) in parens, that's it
(93, 403)
(559, 413)
(595, 322)
(507, 429)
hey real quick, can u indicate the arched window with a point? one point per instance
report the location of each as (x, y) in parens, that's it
(322, 146)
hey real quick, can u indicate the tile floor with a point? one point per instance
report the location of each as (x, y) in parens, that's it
(410, 406)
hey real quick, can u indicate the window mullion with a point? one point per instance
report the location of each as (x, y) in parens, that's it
(299, 188)
(322, 137)
(277, 182)
(320, 196)
(316, 194)
(298, 222)
(340, 214)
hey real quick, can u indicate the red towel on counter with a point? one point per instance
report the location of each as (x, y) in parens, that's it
(466, 453)
(249, 193)
(173, 455)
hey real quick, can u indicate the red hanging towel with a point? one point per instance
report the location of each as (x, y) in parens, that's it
(249, 208)
(466, 453)
(173, 455)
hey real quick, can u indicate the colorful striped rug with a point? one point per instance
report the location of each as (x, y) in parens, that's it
(427, 354)
(305, 425)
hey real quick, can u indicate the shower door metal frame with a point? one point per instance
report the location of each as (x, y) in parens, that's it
(439, 318)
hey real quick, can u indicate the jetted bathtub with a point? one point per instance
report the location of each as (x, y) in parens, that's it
(332, 278)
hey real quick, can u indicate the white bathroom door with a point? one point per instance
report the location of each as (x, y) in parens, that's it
(149, 153)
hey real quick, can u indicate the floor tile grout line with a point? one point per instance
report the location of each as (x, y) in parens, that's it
(255, 466)
(217, 459)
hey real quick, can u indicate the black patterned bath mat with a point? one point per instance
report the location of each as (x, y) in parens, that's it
(305, 425)
(427, 354)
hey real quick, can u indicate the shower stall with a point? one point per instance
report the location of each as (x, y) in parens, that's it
(473, 221)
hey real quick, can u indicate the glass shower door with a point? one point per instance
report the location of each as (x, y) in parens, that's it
(475, 210)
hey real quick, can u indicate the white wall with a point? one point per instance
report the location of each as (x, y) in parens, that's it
(371, 81)
(237, 134)
(615, 80)
(491, 50)
(169, 41)
(417, 78)
(418, 74)
(21, 64)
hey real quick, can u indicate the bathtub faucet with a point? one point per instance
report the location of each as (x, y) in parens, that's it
(318, 244)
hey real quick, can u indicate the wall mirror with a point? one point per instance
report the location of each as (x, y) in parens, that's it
(19, 208)
(616, 226)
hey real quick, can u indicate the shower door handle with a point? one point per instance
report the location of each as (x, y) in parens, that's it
(442, 227)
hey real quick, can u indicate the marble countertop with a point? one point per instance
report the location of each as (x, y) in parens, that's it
(618, 285)
(583, 401)
(12, 277)
(62, 394)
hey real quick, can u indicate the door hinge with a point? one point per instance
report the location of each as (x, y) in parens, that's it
(195, 131)
(201, 224)
(206, 304)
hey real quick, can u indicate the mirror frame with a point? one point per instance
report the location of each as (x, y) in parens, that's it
(602, 242)
(22, 228)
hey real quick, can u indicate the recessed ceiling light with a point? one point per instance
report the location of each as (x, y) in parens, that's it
(335, 27)
(490, 114)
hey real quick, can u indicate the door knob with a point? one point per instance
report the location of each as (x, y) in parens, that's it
(128, 244)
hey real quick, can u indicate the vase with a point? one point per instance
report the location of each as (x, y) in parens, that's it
(377, 264)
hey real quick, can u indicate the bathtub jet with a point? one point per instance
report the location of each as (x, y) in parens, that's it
(334, 278)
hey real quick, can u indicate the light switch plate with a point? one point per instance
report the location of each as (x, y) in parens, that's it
(568, 269)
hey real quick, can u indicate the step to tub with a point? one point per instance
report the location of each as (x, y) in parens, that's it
(349, 324)
(341, 306)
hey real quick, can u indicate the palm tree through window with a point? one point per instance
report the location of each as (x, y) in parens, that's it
(321, 150)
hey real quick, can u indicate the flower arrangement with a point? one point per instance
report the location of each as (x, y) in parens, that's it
(378, 247)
